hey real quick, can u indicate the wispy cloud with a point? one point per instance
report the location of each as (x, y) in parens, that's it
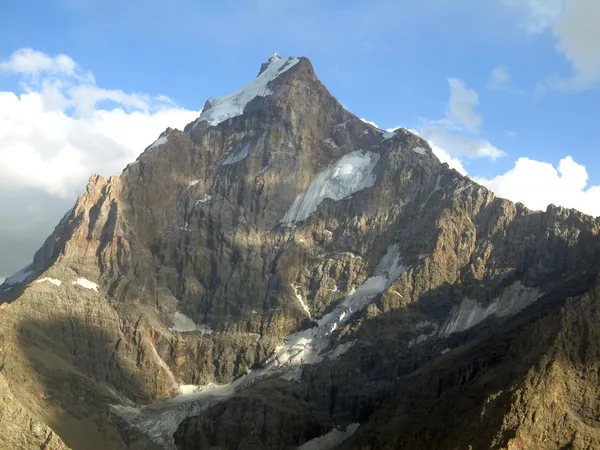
(575, 25)
(499, 78)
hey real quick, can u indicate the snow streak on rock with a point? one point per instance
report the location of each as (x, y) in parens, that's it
(54, 281)
(300, 299)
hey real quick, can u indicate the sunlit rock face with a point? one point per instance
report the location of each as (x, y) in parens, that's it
(282, 274)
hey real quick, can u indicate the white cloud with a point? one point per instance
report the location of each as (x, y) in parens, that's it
(442, 154)
(455, 136)
(499, 78)
(542, 13)
(30, 62)
(369, 122)
(578, 33)
(537, 184)
(576, 26)
(461, 107)
(460, 145)
(55, 134)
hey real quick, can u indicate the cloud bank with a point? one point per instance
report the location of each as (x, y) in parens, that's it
(54, 133)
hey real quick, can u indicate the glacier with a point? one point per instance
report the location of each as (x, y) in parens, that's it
(350, 174)
(160, 419)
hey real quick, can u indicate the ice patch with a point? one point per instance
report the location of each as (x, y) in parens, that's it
(514, 299)
(223, 108)
(341, 349)
(54, 281)
(157, 143)
(305, 347)
(300, 299)
(184, 324)
(239, 155)
(87, 284)
(420, 338)
(331, 439)
(293, 375)
(160, 420)
(420, 150)
(423, 336)
(19, 277)
(350, 174)
(331, 143)
(438, 186)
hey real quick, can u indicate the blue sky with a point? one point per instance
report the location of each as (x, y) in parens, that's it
(387, 61)
(391, 62)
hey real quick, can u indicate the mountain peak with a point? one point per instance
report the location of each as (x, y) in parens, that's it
(219, 109)
(274, 57)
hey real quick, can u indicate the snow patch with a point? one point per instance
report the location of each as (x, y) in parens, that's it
(420, 150)
(87, 284)
(470, 313)
(205, 199)
(342, 349)
(331, 439)
(438, 186)
(157, 143)
(223, 108)
(184, 324)
(352, 173)
(193, 183)
(331, 143)
(239, 155)
(420, 338)
(54, 281)
(293, 375)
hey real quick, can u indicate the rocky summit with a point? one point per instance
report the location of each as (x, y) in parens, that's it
(281, 275)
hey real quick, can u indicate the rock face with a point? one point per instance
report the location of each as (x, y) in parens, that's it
(281, 271)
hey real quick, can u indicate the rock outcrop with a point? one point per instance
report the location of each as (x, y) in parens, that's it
(281, 269)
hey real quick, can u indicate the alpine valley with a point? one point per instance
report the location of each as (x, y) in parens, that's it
(281, 275)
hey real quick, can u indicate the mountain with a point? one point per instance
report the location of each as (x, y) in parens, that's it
(281, 274)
